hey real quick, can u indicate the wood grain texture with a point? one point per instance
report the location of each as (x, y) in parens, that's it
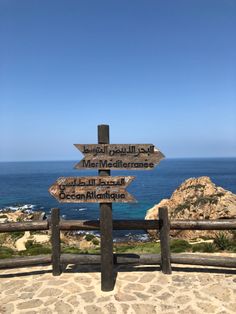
(25, 261)
(136, 259)
(94, 189)
(164, 240)
(120, 224)
(56, 242)
(204, 260)
(119, 156)
(217, 224)
(90, 259)
(107, 267)
(24, 226)
(117, 224)
(153, 259)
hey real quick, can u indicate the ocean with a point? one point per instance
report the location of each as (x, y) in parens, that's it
(25, 184)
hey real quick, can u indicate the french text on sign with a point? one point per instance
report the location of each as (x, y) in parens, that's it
(119, 156)
(92, 189)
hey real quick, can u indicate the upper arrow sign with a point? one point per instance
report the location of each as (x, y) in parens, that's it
(119, 156)
(92, 189)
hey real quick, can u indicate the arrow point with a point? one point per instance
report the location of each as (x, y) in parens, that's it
(130, 198)
(76, 166)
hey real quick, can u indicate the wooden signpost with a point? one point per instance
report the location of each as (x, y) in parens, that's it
(92, 189)
(119, 156)
(105, 189)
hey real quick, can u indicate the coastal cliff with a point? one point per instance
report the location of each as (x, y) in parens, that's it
(196, 198)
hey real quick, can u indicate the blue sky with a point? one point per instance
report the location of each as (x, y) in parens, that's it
(161, 72)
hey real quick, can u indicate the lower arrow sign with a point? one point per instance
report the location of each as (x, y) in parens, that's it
(92, 189)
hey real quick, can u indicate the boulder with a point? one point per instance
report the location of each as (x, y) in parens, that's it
(196, 198)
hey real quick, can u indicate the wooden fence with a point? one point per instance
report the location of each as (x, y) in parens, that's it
(163, 225)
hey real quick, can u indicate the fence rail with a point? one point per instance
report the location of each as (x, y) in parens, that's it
(162, 225)
(66, 225)
(24, 226)
(127, 259)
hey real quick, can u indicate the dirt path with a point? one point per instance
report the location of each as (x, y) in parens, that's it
(39, 238)
(20, 243)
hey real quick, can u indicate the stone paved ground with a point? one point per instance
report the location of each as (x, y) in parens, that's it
(141, 291)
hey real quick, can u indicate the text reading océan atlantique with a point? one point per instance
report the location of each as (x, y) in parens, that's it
(91, 196)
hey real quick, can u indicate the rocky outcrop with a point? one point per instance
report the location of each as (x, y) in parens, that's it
(81, 240)
(21, 215)
(197, 198)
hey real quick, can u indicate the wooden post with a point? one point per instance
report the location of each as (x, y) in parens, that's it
(55, 239)
(107, 276)
(164, 240)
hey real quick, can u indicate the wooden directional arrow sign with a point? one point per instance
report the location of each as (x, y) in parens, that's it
(119, 156)
(92, 189)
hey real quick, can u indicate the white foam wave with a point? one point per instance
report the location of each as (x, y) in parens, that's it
(79, 209)
(133, 238)
(95, 233)
(82, 209)
(25, 207)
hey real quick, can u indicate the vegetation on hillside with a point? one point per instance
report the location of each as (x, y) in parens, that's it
(221, 242)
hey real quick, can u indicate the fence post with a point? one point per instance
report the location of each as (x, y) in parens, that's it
(107, 273)
(164, 240)
(55, 240)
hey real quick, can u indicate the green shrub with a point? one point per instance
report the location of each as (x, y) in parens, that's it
(32, 244)
(181, 207)
(222, 242)
(36, 250)
(139, 248)
(33, 248)
(75, 250)
(89, 237)
(125, 248)
(179, 245)
(204, 247)
(71, 250)
(3, 237)
(3, 216)
(16, 235)
(6, 252)
(29, 244)
(95, 241)
(92, 251)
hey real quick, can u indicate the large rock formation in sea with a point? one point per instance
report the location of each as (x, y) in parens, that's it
(196, 198)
